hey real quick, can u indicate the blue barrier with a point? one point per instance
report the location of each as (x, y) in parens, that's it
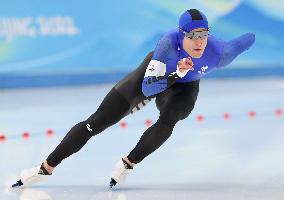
(25, 81)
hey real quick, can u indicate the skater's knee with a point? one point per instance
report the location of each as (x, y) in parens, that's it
(171, 116)
(84, 128)
(183, 115)
(94, 127)
(186, 112)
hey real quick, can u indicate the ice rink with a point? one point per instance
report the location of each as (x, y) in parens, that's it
(230, 147)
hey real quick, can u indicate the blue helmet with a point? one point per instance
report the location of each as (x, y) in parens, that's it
(192, 19)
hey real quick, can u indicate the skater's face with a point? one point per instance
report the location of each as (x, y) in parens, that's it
(195, 44)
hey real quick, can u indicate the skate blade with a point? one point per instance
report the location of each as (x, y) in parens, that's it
(18, 184)
(112, 183)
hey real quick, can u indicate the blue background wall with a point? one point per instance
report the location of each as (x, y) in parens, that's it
(44, 43)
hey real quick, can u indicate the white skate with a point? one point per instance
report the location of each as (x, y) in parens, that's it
(120, 172)
(31, 176)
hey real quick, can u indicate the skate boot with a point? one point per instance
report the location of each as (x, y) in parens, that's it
(120, 172)
(31, 176)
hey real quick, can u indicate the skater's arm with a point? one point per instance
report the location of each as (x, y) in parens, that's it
(160, 73)
(235, 47)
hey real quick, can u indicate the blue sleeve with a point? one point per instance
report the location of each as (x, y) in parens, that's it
(235, 47)
(158, 76)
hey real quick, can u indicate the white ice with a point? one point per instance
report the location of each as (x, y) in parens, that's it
(239, 158)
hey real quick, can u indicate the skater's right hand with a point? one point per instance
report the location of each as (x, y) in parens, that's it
(185, 65)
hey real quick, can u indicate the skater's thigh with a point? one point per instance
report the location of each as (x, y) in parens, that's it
(112, 109)
(177, 102)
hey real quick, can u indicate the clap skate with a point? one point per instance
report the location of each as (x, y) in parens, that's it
(31, 176)
(120, 172)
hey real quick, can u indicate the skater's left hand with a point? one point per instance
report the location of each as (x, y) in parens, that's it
(185, 64)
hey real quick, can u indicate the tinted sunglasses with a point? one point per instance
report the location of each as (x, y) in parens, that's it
(196, 34)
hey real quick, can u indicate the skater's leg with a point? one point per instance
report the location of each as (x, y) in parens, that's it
(119, 102)
(153, 138)
(111, 110)
(174, 105)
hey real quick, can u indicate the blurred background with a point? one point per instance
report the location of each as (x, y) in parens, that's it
(58, 59)
(84, 42)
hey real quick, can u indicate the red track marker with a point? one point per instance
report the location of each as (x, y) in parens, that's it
(148, 122)
(278, 112)
(252, 114)
(50, 132)
(2, 137)
(123, 124)
(200, 118)
(26, 135)
(226, 116)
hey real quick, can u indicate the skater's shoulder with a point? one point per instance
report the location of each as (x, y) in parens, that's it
(214, 42)
(168, 41)
(214, 46)
(171, 37)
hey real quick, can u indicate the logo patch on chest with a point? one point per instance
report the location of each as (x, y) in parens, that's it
(203, 70)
